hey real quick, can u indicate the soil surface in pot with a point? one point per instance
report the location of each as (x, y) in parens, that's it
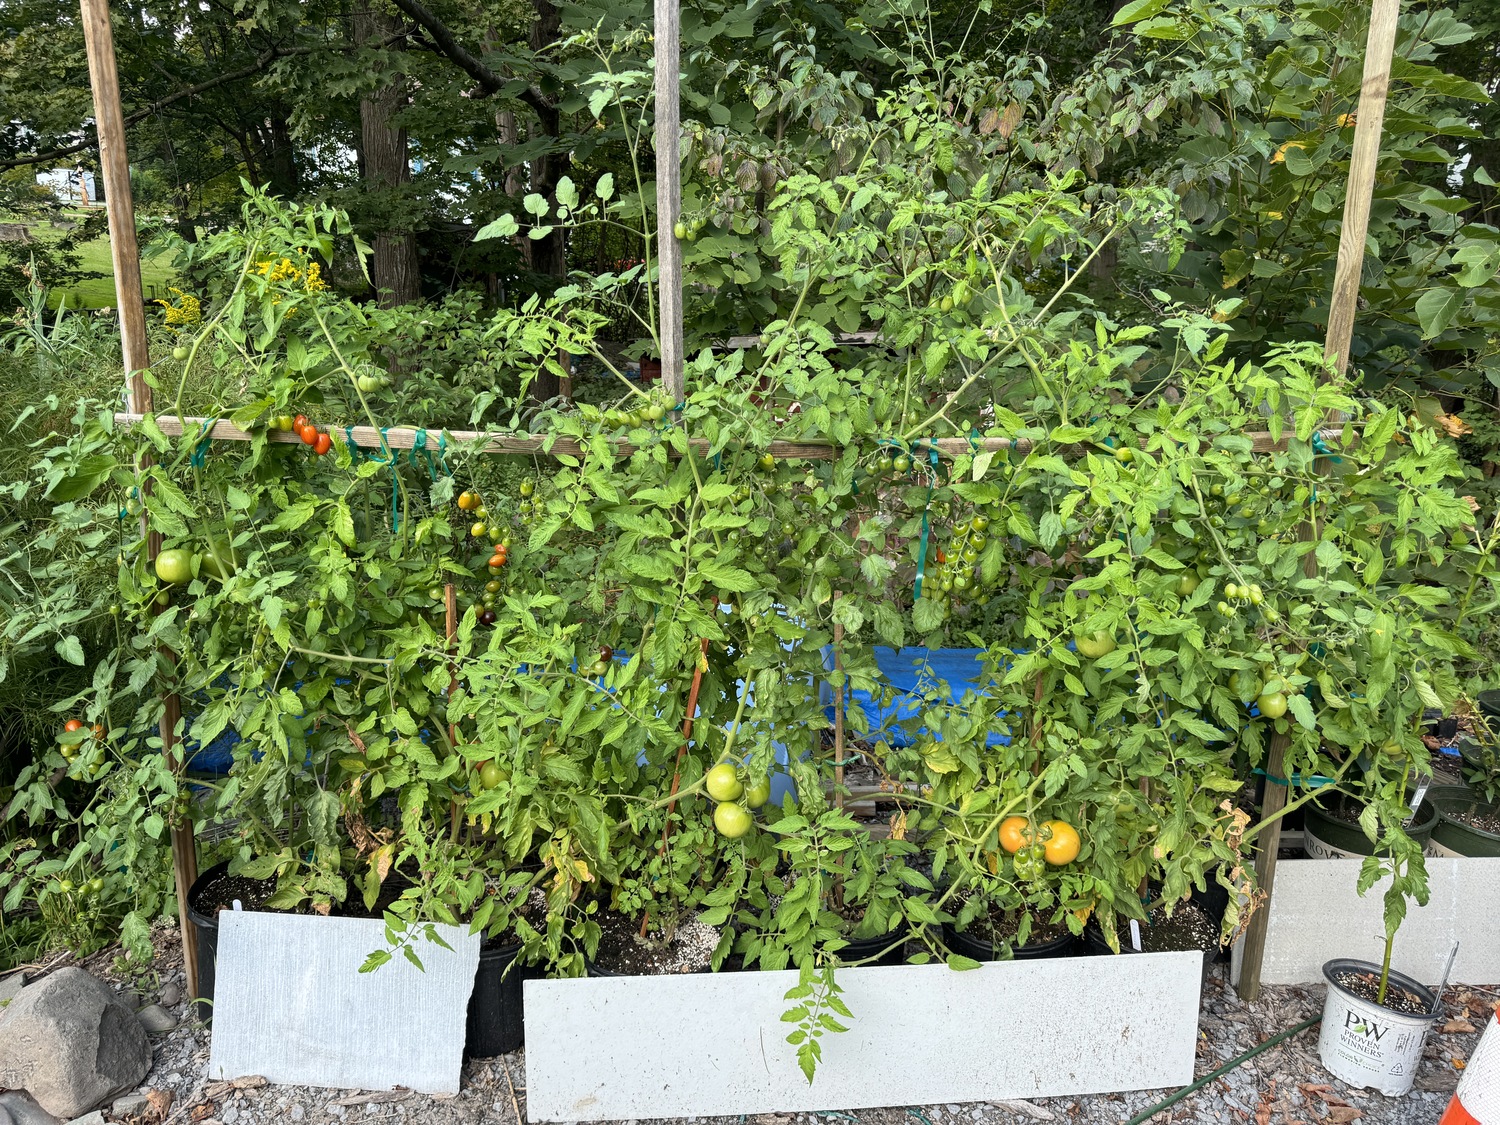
(999, 926)
(222, 892)
(622, 950)
(1187, 929)
(1484, 818)
(1367, 986)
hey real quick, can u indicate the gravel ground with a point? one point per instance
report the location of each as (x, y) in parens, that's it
(1283, 1086)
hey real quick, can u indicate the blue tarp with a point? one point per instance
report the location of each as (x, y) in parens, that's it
(913, 673)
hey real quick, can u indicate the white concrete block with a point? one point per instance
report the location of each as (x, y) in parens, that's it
(291, 1004)
(1316, 915)
(714, 1044)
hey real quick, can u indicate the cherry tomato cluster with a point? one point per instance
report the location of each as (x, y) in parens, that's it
(74, 734)
(472, 502)
(956, 571)
(653, 411)
(304, 429)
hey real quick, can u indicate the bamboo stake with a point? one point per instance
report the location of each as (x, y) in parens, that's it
(135, 349)
(1380, 46)
(669, 196)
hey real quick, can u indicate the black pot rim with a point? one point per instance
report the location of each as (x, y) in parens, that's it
(200, 884)
(1035, 949)
(1313, 809)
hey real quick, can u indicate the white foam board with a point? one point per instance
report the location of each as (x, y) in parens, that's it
(1317, 915)
(291, 1004)
(710, 1044)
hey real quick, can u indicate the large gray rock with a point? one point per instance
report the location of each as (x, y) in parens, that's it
(71, 1044)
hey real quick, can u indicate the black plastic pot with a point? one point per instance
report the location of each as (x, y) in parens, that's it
(1489, 703)
(1094, 945)
(981, 950)
(859, 949)
(206, 937)
(496, 1020)
(1328, 835)
(1453, 836)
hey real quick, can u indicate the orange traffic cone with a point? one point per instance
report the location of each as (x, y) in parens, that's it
(1477, 1099)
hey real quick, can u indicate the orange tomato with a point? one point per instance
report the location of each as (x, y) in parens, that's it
(1015, 833)
(1063, 844)
(71, 725)
(322, 444)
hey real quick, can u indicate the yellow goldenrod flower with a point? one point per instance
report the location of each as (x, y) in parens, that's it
(1279, 156)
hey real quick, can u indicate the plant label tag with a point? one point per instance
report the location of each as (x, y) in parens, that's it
(1135, 935)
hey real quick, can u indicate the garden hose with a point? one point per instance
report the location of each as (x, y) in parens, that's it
(1173, 1099)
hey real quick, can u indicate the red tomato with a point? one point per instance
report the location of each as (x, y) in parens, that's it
(71, 725)
(308, 433)
(323, 444)
(298, 422)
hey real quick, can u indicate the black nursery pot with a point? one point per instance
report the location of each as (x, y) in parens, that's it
(860, 948)
(1094, 945)
(496, 1020)
(981, 950)
(206, 938)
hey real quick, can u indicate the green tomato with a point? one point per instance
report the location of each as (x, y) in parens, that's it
(1272, 706)
(723, 783)
(1095, 645)
(758, 793)
(732, 820)
(175, 566)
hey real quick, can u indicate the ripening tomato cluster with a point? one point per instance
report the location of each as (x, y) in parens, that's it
(1032, 847)
(471, 502)
(308, 433)
(74, 734)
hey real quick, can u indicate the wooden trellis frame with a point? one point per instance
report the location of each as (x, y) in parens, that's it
(126, 255)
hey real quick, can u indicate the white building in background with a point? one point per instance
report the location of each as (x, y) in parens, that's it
(73, 187)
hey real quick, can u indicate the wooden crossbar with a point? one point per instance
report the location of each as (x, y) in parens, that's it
(406, 437)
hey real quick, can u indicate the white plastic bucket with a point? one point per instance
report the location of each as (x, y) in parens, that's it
(1365, 1044)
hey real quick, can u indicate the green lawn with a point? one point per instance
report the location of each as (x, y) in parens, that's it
(99, 292)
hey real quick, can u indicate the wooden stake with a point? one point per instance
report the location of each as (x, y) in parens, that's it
(130, 300)
(1380, 46)
(669, 197)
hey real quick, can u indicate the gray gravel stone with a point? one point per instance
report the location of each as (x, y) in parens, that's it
(170, 995)
(156, 1019)
(95, 1118)
(23, 1109)
(131, 1105)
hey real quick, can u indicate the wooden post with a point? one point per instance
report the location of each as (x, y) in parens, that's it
(125, 251)
(669, 197)
(1380, 46)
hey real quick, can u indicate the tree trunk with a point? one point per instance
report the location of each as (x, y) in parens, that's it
(281, 156)
(395, 268)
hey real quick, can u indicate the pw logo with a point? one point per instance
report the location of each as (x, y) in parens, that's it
(1366, 1027)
